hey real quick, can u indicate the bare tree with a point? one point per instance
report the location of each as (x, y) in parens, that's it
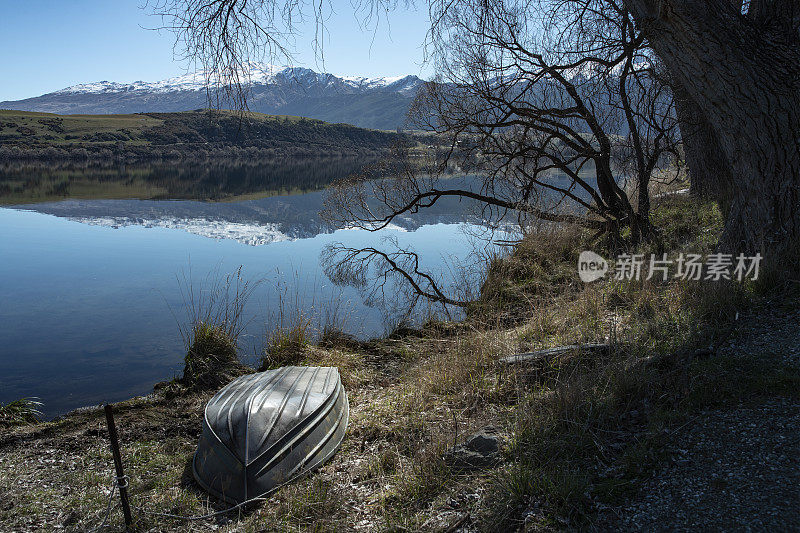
(567, 126)
(568, 88)
(558, 107)
(561, 115)
(736, 64)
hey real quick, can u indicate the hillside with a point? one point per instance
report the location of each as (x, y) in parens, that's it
(379, 103)
(45, 137)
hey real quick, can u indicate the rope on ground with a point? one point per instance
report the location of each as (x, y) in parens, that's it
(205, 516)
(261, 498)
(116, 483)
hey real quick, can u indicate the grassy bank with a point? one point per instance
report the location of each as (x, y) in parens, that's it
(578, 431)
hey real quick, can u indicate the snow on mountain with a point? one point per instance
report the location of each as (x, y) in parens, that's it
(377, 103)
(250, 234)
(364, 82)
(257, 74)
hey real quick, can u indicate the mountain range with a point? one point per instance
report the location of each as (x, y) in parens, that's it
(378, 103)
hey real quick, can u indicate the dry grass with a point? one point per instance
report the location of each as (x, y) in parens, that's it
(541, 267)
(586, 428)
(210, 332)
(212, 360)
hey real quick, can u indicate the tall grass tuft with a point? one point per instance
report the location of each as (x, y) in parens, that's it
(286, 342)
(20, 412)
(301, 319)
(215, 322)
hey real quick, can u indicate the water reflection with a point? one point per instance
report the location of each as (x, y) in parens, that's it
(217, 180)
(88, 290)
(288, 213)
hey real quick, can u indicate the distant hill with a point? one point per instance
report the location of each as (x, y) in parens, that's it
(45, 137)
(377, 103)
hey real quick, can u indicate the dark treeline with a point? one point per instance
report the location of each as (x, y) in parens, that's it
(191, 135)
(102, 155)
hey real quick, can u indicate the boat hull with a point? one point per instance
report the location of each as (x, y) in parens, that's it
(264, 430)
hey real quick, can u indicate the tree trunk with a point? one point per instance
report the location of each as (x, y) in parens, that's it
(744, 78)
(709, 171)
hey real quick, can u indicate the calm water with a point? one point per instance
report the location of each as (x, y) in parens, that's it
(89, 296)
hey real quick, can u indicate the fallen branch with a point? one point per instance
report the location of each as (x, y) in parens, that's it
(532, 357)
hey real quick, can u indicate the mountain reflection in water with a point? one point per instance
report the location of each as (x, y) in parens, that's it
(284, 209)
(88, 310)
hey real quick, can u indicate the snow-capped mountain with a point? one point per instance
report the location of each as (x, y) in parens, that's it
(380, 102)
(256, 75)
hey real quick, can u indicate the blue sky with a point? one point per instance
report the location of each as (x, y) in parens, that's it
(47, 45)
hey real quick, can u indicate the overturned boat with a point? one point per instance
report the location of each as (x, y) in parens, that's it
(263, 430)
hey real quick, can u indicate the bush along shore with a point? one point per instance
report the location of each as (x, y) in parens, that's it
(448, 434)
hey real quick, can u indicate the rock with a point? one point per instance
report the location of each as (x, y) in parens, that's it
(446, 522)
(480, 450)
(71, 519)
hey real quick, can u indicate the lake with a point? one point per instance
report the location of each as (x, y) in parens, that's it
(90, 263)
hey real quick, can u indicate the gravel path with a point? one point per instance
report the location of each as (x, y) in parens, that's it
(775, 333)
(735, 469)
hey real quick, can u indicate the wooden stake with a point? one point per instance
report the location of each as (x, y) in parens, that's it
(123, 490)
